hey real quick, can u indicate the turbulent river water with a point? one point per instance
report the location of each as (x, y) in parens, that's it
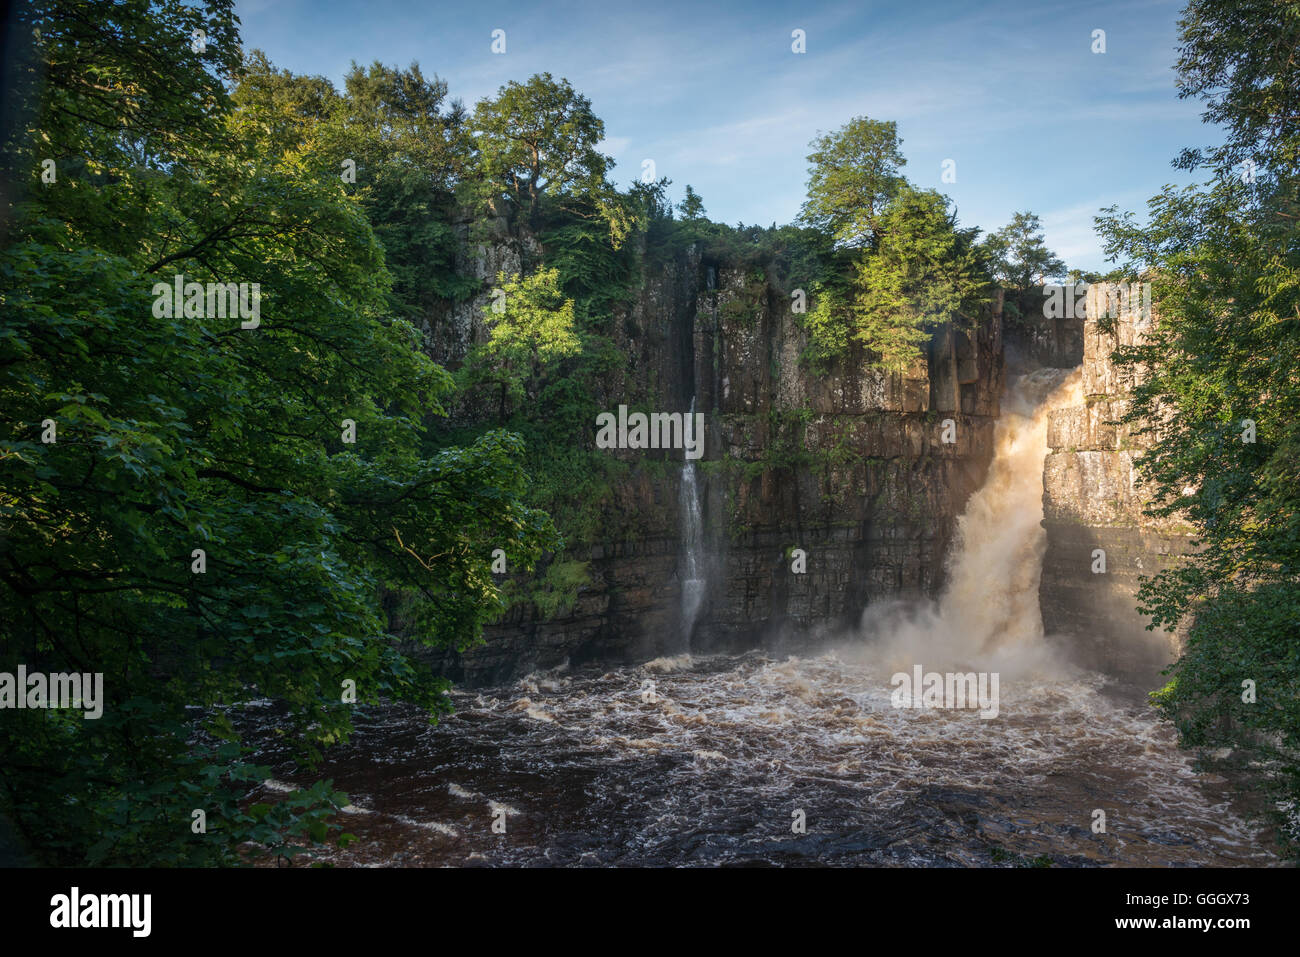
(698, 760)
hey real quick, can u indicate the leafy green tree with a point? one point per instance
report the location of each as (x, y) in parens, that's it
(1238, 58)
(1021, 261)
(691, 207)
(403, 148)
(114, 88)
(924, 272)
(534, 139)
(1020, 256)
(412, 149)
(901, 265)
(531, 327)
(1220, 396)
(829, 322)
(649, 203)
(279, 109)
(853, 176)
(205, 528)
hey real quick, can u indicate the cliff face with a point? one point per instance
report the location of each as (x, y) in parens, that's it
(1092, 501)
(850, 465)
(876, 490)
(1043, 337)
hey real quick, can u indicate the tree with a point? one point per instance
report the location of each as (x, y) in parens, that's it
(1019, 254)
(1220, 397)
(649, 202)
(692, 207)
(537, 138)
(1238, 57)
(924, 272)
(1020, 259)
(283, 111)
(854, 174)
(403, 147)
(530, 326)
(221, 509)
(94, 125)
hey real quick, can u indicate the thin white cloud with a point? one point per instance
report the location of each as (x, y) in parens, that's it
(614, 146)
(1070, 231)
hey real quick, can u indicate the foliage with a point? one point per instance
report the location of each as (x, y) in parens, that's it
(1224, 260)
(900, 265)
(530, 327)
(176, 434)
(592, 272)
(1020, 255)
(408, 150)
(537, 137)
(691, 207)
(924, 271)
(1020, 259)
(553, 592)
(829, 322)
(1238, 57)
(854, 175)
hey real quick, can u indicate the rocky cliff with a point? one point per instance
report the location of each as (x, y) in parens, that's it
(1092, 508)
(1035, 335)
(848, 464)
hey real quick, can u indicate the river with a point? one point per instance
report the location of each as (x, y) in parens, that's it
(774, 759)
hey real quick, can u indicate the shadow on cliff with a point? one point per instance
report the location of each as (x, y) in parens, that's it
(1093, 619)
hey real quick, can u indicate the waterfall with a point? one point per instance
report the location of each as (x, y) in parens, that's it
(997, 559)
(692, 543)
(988, 612)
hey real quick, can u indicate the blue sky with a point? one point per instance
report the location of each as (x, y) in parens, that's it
(714, 95)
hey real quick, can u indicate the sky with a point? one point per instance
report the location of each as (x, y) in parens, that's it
(713, 93)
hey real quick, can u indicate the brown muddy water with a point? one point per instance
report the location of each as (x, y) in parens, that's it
(589, 772)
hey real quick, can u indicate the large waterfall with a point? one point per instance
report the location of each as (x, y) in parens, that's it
(988, 613)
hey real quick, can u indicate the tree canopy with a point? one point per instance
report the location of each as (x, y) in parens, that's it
(903, 266)
(1020, 255)
(203, 511)
(853, 175)
(1219, 395)
(924, 270)
(534, 138)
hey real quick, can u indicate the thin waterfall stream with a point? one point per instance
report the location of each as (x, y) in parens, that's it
(692, 545)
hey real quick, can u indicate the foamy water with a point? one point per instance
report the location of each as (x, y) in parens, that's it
(712, 769)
